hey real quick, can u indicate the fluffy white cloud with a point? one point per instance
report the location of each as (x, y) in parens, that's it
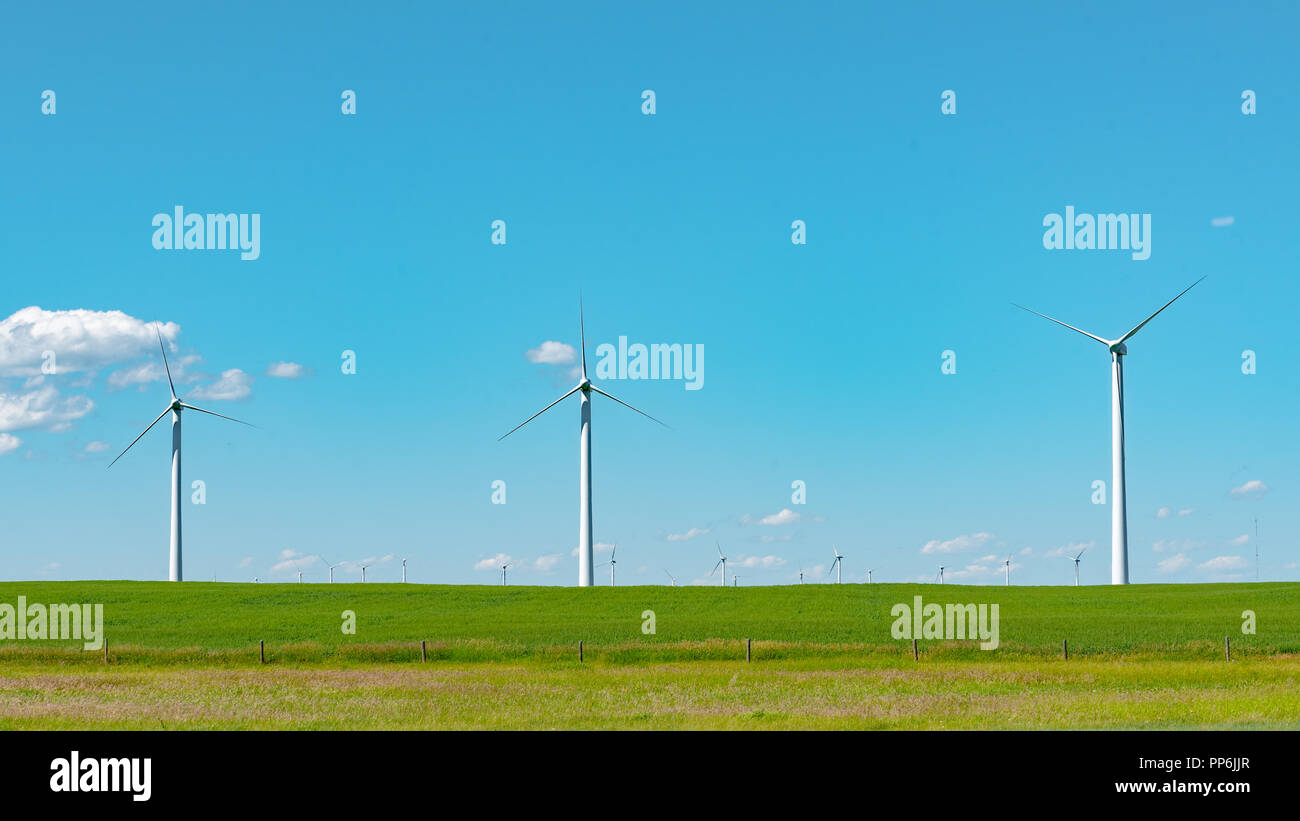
(785, 517)
(494, 563)
(1222, 222)
(964, 542)
(690, 534)
(96, 447)
(79, 339)
(42, 407)
(293, 560)
(1164, 513)
(1187, 511)
(1254, 487)
(1240, 540)
(552, 353)
(1174, 563)
(286, 370)
(233, 384)
(758, 561)
(9, 442)
(546, 564)
(1221, 564)
(145, 373)
(1176, 545)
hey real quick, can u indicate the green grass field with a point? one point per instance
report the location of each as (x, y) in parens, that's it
(186, 656)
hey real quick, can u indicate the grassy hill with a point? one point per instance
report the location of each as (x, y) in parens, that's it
(1162, 619)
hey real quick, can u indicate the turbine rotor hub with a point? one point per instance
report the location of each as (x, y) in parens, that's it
(1119, 348)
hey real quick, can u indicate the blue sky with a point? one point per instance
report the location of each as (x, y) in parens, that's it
(823, 360)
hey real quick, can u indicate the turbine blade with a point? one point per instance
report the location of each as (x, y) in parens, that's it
(1166, 305)
(170, 384)
(539, 413)
(1059, 322)
(719, 544)
(141, 436)
(214, 413)
(621, 402)
(582, 334)
(715, 568)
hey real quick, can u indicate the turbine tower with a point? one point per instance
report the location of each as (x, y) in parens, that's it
(585, 389)
(868, 575)
(837, 566)
(329, 566)
(174, 408)
(1007, 564)
(1076, 566)
(1118, 499)
(940, 574)
(672, 579)
(503, 574)
(722, 562)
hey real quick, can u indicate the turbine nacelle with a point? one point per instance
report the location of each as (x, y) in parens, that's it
(1118, 348)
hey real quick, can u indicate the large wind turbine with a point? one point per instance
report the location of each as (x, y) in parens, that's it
(1118, 499)
(1076, 558)
(613, 563)
(585, 389)
(174, 408)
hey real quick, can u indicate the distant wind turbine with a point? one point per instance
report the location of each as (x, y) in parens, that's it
(801, 575)
(363, 573)
(503, 574)
(584, 388)
(174, 408)
(1007, 564)
(735, 580)
(329, 566)
(868, 575)
(403, 571)
(672, 578)
(722, 562)
(940, 574)
(612, 564)
(1118, 498)
(1076, 566)
(837, 566)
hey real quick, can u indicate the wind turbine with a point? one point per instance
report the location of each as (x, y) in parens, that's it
(300, 575)
(503, 573)
(174, 408)
(1118, 499)
(1076, 567)
(868, 575)
(585, 389)
(837, 566)
(735, 580)
(1007, 564)
(722, 562)
(363, 573)
(801, 575)
(672, 578)
(612, 564)
(940, 574)
(329, 566)
(403, 571)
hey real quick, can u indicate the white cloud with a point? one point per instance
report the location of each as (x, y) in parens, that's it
(96, 446)
(758, 561)
(1253, 487)
(963, 542)
(1187, 511)
(1240, 540)
(293, 560)
(785, 517)
(80, 339)
(690, 534)
(1220, 564)
(546, 564)
(286, 370)
(552, 353)
(1174, 563)
(1176, 545)
(1222, 222)
(246, 561)
(493, 563)
(1164, 513)
(233, 384)
(41, 408)
(9, 442)
(145, 373)
(1070, 550)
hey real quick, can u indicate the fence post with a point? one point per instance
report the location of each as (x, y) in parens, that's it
(106, 651)
(914, 653)
(1065, 649)
(1227, 649)
(261, 650)
(422, 655)
(579, 649)
(747, 650)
